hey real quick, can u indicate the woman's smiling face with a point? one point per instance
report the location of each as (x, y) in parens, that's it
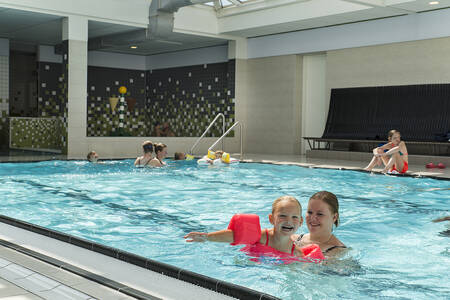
(319, 216)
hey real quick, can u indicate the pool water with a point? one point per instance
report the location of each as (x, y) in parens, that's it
(396, 251)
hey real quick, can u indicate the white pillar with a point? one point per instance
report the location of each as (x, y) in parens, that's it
(314, 100)
(75, 31)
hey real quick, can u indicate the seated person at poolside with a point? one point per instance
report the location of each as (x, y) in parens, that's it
(397, 152)
(144, 160)
(179, 156)
(321, 215)
(93, 157)
(160, 154)
(163, 130)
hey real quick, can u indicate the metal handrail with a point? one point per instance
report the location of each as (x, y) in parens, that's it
(210, 125)
(226, 133)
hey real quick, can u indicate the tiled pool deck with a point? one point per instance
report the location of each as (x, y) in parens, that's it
(25, 277)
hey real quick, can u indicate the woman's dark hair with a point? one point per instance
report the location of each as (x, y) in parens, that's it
(147, 146)
(331, 200)
(159, 147)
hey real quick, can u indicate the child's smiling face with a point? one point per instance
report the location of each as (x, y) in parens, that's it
(287, 218)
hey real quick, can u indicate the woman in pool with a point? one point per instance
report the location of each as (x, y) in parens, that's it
(322, 213)
(397, 152)
(145, 159)
(286, 218)
(161, 153)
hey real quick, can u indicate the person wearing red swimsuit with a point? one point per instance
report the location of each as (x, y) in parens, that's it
(396, 151)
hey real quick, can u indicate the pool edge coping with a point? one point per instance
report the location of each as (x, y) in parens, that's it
(216, 285)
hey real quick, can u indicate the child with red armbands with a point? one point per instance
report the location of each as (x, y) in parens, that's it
(286, 218)
(322, 213)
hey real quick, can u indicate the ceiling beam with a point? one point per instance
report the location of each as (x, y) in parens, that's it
(380, 4)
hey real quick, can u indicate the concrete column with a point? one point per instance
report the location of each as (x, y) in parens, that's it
(75, 32)
(238, 50)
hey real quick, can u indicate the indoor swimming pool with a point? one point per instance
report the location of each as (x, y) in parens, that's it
(395, 250)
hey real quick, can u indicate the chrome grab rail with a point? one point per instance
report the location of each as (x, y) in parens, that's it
(210, 125)
(226, 133)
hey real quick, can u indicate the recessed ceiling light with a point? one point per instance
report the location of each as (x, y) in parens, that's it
(433, 2)
(133, 47)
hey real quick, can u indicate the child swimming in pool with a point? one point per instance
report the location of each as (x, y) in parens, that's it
(286, 218)
(217, 155)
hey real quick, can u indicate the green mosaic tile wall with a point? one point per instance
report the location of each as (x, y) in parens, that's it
(104, 83)
(190, 97)
(186, 97)
(36, 133)
(4, 123)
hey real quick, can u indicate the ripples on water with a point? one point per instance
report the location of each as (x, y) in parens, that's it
(396, 252)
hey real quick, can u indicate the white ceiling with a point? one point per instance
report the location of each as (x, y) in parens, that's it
(36, 28)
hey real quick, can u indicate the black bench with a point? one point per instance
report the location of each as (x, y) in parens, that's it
(414, 147)
(363, 116)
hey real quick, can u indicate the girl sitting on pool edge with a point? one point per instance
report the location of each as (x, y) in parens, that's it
(286, 218)
(397, 151)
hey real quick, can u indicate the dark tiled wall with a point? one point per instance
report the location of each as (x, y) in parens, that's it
(104, 83)
(186, 97)
(4, 101)
(190, 97)
(50, 90)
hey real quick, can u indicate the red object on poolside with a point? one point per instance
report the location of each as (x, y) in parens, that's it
(441, 166)
(313, 251)
(430, 165)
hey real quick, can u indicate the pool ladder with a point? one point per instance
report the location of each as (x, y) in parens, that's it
(224, 134)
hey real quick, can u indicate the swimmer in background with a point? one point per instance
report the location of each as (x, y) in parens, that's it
(286, 218)
(161, 153)
(217, 155)
(322, 213)
(445, 233)
(179, 156)
(144, 160)
(447, 218)
(396, 151)
(93, 157)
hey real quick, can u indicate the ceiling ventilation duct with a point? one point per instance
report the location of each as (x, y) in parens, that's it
(160, 27)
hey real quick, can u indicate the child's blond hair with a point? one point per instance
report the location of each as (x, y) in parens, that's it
(277, 202)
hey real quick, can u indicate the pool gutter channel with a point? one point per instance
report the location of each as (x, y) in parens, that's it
(207, 282)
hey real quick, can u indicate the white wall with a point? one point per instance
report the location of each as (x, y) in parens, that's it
(116, 60)
(418, 62)
(268, 102)
(411, 27)
(199, 56)
(131, 147)
(314, 99)
(47, 54)
(112, 11)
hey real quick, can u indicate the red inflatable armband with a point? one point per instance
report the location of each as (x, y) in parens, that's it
(246, 229)
(313, 251)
